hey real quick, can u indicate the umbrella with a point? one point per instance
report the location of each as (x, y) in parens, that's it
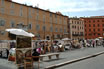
(96, 39)
(100, 37)
(65, 39)
(20, 32)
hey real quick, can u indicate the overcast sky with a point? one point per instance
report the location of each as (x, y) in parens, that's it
(71, 8)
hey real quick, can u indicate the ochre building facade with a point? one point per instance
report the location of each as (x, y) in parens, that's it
(43, 23)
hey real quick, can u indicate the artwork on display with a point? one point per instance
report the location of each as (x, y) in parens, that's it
(4, 53)
(23, 49)
(23, 42)
(19, 57)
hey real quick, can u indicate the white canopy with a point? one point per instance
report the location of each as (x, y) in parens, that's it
(100, 37)
(65, 39)
(20, 32)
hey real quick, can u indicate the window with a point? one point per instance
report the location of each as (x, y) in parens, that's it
(65, 31)
(50, 20)
(20, 25)
(94, 21)
(89, 29)
(12, 12)
(98, 25)
(37, 11)
(2, 2)
(60, 30)
(97, 20)
(94, 34)
(30, 26)
(51, 29)
(44, 28)
(85, 30)
(2, 22)
(56, 29)
(82, 27)
(89, 21)
(2, 10)
(94, 30)
(12, 5)
(60, 20)
(85, 25)
(2, 32)
(56, 20)
(37, 27)
(50, 14)
(89, 25)
(103, 25)
(72, 26)
(12, 24)
(77, 22)
(72, 21)
(103, 29)
(65, 21)
(75, 27)
(93, 25)
(21, 11)
(98, 33)
(44, 19)
(37, 17)
(55, 16)
(98, 29)
(30, 13)
(102, 20)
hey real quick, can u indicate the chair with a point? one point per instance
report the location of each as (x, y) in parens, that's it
(35, 57)
(28, 63)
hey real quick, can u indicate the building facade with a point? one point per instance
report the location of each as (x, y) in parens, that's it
(94, 27)
(76, 27)
(43, 23)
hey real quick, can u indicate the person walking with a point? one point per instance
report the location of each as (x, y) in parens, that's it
(93, 43)
(35, 53)
(103, 43)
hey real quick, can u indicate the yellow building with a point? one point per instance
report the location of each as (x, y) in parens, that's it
(43, 23)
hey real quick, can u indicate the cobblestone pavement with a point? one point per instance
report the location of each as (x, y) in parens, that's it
(92, 63)
(64, 56)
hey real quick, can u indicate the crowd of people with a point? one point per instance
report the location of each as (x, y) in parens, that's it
(48, 46)
(59, 45)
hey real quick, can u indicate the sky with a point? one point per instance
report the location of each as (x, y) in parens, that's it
(71, 8)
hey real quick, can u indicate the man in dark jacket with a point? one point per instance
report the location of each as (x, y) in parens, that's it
(35, 53)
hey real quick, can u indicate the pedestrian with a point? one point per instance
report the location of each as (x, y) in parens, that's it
(103, 43)
(93, 43)
(35, 53)
(7, 52)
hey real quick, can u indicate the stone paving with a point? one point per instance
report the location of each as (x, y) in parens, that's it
(64, 56)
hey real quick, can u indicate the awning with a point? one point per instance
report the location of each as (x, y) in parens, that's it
(20, 32)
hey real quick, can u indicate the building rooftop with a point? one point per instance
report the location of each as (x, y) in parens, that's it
(58, 13)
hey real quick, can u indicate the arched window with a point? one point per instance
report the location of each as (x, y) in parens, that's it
(2, 22)
(30, 26)
(37, 27)
(12, 24)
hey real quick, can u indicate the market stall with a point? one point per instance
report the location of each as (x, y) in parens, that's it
(23, 45)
